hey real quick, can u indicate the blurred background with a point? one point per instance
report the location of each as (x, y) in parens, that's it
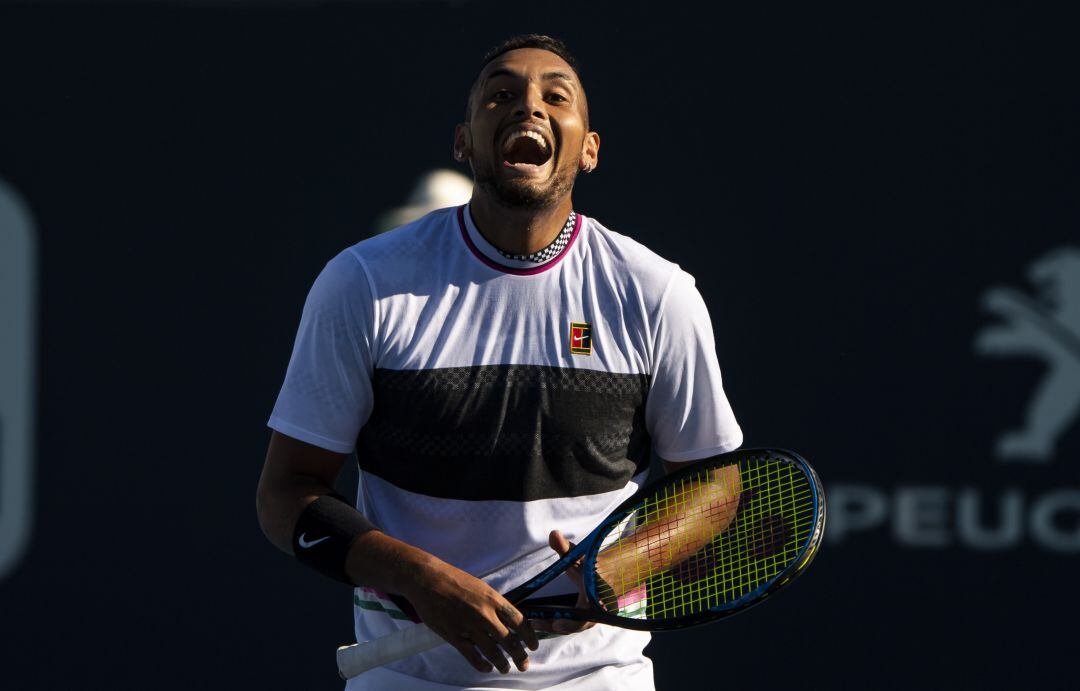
(880, 206)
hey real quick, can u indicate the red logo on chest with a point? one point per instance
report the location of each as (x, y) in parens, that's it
(580, 338)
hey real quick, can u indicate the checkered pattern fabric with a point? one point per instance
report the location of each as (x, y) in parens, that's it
(552, 250)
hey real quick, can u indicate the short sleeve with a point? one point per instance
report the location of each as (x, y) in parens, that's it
(327, 397)
(687, 413)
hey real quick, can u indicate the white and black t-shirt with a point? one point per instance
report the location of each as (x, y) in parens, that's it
(492, 399)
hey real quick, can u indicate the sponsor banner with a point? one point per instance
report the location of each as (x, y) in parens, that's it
(1043, 326)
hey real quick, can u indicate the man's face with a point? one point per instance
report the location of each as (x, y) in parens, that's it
(527, 133)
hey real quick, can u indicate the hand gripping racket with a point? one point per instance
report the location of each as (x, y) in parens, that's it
(702, 543)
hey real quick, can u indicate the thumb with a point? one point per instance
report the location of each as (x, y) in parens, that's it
(562, 546)
(559, 543)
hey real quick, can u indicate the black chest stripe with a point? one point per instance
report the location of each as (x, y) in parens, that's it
(510, 432)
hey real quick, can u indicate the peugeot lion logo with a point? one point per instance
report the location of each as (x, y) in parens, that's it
(1046, 327)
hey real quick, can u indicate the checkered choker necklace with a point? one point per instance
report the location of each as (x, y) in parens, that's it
(556, 246)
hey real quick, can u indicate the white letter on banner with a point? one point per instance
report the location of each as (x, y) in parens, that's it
(1043, 527)
(920, 519)
(1010, 524)
(853, 508)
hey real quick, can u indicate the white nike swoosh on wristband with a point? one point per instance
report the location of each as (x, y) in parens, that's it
(305, 544)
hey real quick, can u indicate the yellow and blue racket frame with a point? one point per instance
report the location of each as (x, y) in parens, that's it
(590, 547)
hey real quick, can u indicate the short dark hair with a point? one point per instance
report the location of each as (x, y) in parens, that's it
(540, 41)
(548, 43)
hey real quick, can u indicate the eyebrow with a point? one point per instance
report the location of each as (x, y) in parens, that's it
(547, 76)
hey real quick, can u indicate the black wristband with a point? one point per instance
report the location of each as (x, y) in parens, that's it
(324, 532)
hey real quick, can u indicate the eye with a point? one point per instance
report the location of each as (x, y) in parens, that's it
(501, 95)
(558, 98)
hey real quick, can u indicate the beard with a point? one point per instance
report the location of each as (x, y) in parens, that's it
(523, 193)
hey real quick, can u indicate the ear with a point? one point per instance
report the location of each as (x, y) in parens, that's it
(462, 142)
(590, 152)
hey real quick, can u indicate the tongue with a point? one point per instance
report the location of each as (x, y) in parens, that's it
(525, 150)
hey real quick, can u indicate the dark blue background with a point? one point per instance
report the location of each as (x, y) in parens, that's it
(844, 184)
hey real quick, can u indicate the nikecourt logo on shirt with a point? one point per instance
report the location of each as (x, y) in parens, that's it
(580, 338)
(305, 544)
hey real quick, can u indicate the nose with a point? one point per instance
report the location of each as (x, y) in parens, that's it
(531, 104)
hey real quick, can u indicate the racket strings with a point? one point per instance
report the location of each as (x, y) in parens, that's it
(705, 541)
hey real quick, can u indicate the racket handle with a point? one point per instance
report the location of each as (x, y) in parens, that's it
(358, 658)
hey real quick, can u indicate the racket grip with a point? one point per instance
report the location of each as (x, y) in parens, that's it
(358, 658)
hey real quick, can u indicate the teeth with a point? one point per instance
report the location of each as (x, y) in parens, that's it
(526, 133)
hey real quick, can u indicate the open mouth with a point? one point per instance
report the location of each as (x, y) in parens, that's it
(525, 149)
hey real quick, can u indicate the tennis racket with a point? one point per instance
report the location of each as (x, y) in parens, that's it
(700, 544)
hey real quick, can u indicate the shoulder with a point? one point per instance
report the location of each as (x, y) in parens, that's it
(407, 256)
(342, 287)
(403, 251)
(407, 243)
(631, 262)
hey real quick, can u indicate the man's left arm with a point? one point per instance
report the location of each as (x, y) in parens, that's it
(687, 412)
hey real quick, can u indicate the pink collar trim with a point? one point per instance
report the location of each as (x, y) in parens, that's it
(509, 269)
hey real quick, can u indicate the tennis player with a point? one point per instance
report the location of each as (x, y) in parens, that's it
(502, 370)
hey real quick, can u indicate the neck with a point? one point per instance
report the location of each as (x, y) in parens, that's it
(518, 231)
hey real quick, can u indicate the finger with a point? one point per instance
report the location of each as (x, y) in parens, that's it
(469, 652)
(510, 642)
(491, 651)
(525, 632)
(463, 645)
(513, 618)
(562, 546)
(512, 645)
(559, 543)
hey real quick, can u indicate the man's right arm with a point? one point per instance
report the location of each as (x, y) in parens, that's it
(462, 609)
